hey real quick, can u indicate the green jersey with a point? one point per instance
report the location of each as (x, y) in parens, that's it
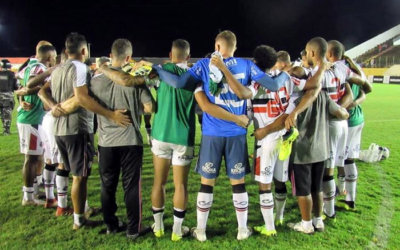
(35, 115)
(356, 114)
(174, 120)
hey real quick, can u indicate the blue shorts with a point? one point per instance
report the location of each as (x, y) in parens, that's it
(234, 150)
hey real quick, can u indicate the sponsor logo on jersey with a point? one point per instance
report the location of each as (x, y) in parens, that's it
(208, 167)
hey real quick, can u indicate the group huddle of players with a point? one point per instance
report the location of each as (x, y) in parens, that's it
(307, 121)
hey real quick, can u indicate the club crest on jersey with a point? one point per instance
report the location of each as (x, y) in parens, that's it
(237, 169)
(208, 167)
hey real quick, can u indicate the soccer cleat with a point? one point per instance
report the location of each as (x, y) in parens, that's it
(64, 211)
(51, 203)
(279, 222)
(318, 225)
(185, 232)
(286, 145)
(263, 230)
(199, 234)
(34, 202)
(86, 224)
(333, 217)
(92, 211)
(347, 205)
(132, 237)
(300, 228)
(244, 233)
(116, 229)
(157, 233)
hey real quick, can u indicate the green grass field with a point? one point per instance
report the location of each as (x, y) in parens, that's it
(375, 225)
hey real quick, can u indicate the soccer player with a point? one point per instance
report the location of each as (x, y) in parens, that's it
(219, 137)
(339, 91)
(73, 131)
(29, 119)
(347, 177)
(268, 107)
(283, 62)
(120, 148)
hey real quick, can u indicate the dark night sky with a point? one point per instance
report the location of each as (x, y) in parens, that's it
(152, 25)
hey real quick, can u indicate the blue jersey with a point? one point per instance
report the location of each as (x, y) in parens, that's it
(244, 71)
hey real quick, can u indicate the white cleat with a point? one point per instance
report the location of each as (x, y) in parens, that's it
(33, 202)
(318, 224)
(300, 228)
(244, 233)
(199, 234)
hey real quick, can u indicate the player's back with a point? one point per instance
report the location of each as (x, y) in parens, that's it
(334, 80)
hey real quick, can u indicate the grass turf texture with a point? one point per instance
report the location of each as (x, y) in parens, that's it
(376, 224)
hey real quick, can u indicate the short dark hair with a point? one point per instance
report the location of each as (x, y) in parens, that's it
(183, 46)
(319, 44)
(74, 43)
(337, 48)
(121, 48)
(228, 36)
(283, 56)
(45, 49)
(264, 57)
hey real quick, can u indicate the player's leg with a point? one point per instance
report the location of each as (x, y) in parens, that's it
(302, 176)
(208, 166)
(329, 186)
(109, 168)
(237, 166)
(267, 155)
(281, 176)
(341, 155)
(62, 178)
(162, 154)
(317, 174)
(181, 159)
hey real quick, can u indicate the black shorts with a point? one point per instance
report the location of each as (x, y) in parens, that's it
(76, 152)
(308, 178)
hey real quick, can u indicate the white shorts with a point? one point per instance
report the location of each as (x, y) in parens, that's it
(267, 165)
(354, 141)
(180, 155)
(46, 132)
(338, 131)
(30, 142)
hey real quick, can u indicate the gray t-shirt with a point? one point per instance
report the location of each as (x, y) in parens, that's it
(64, 79)
(312, 145)
(114, 96)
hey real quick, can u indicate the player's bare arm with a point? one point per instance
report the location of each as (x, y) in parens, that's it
(347, 98)
(48, 101)
(360, 99)
(277, 125)
(87, 102)
(364, 84)
(40, 79)
(218, 112)
(122, 78)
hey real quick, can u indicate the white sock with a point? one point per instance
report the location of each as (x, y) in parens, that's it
(341, 184)
(28, 193)
(315, 220)
(179, 215)
(39, 179)
(267, 210)
(35, 187)
(49, 183)
(87, 207)
(241, 204)
(329, 190)
(306, 224)
(204, 203)
(158, 214)
(62, 190)
(351, 181)
(79, 219)
(280, 202)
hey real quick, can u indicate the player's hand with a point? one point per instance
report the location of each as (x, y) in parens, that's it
(26, 105)
(242, 121)
(57, 111)
(260, 133)
(21, 92)
(121, 118)
(291, 120)
(351, 105)
(217, 61)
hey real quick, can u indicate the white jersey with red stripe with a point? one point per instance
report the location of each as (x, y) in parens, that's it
(267, 106)
(335, 79)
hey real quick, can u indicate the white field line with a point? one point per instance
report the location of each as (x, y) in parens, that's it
(385, 213)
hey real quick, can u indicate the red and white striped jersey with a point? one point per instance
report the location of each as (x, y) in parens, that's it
(334, 80)
(267, 106)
